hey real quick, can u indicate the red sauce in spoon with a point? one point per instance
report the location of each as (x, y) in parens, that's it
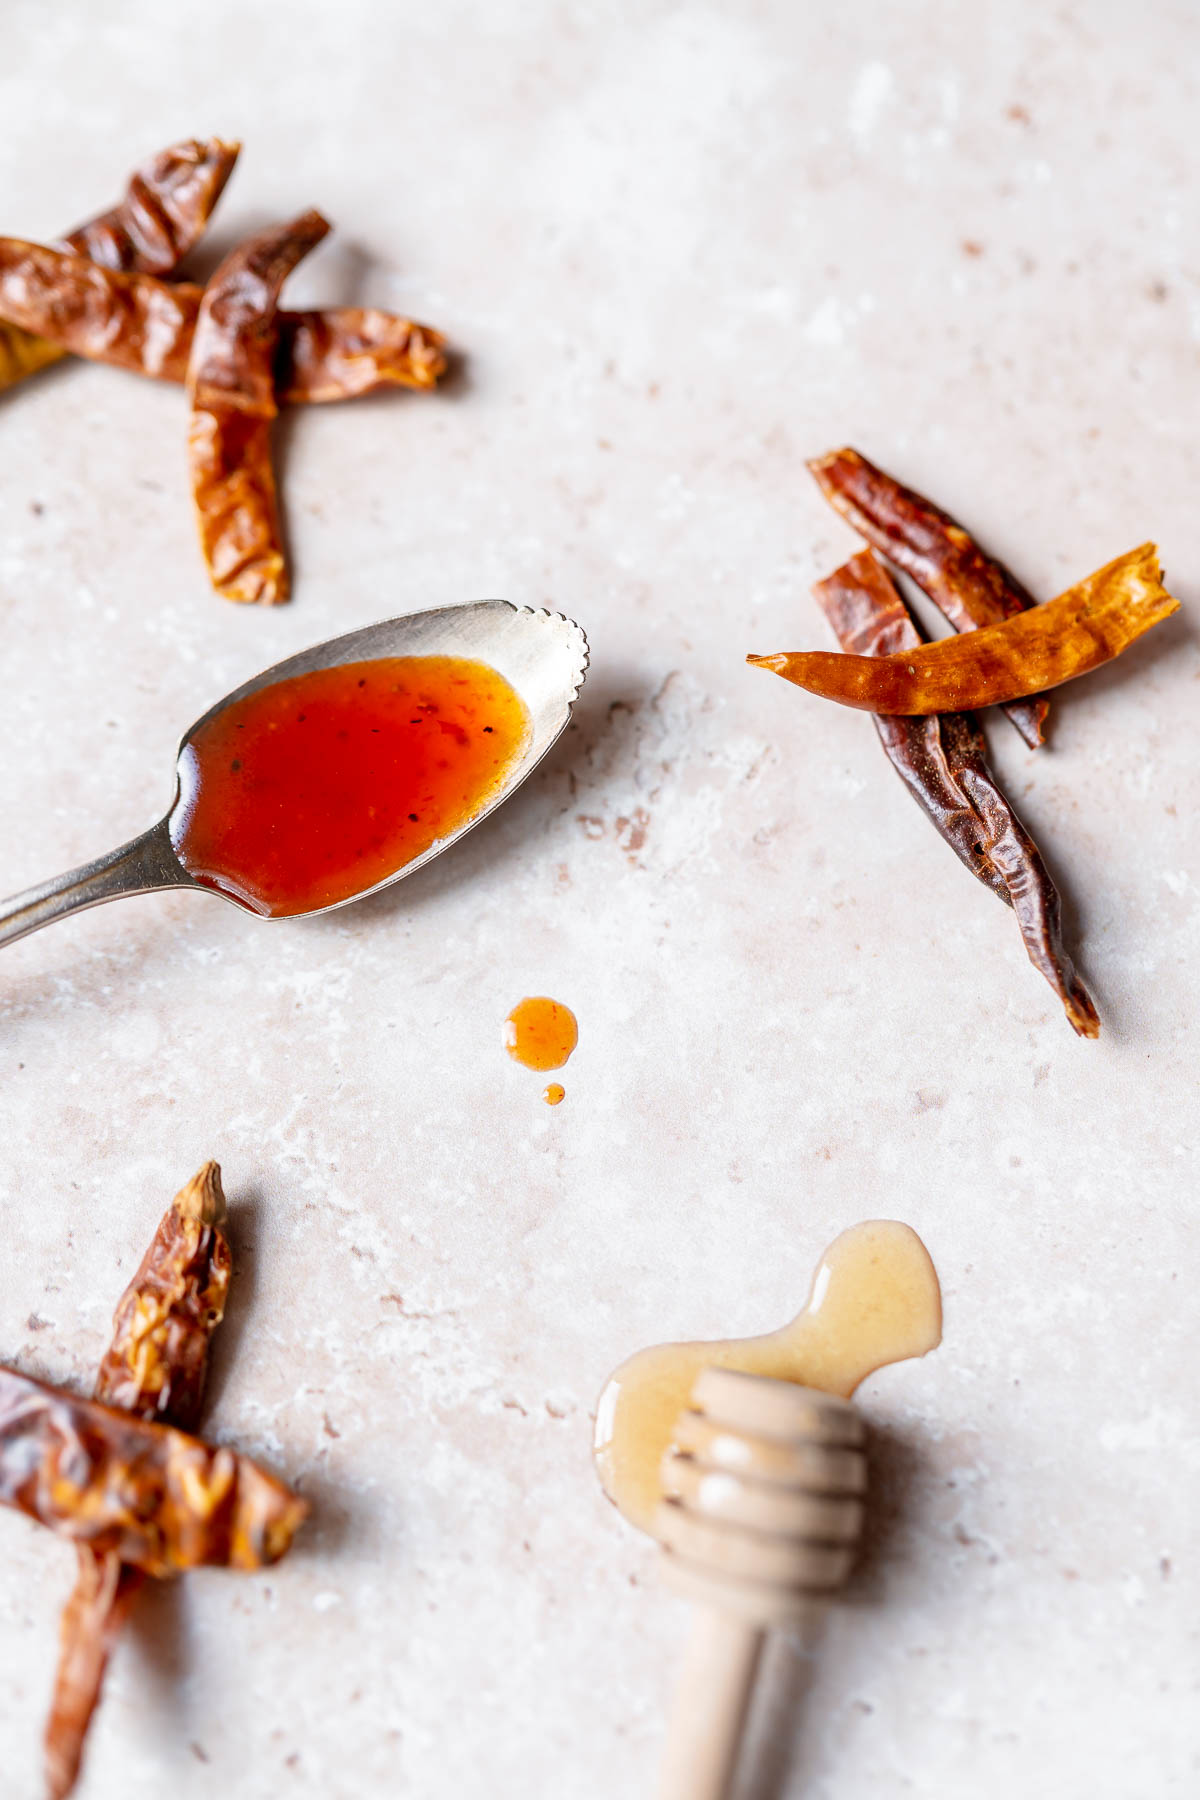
(314, 789)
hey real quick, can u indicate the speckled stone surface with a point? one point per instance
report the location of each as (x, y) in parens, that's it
(681, 247)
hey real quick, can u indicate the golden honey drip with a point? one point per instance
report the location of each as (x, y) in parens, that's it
(874, 1300)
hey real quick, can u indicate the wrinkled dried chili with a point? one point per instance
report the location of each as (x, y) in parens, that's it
(155, 1367)
(165, 208)
(134, 321)
(231, 384)
(156, 1364)
(971, 588)
(338, 352)
(159, 1498)
(164, 211)
(1083, 628)
(118, 316)
(942, 760)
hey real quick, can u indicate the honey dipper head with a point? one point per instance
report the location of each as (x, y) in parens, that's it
(763, 1486)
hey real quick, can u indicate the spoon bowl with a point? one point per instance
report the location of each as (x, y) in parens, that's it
(543, 657)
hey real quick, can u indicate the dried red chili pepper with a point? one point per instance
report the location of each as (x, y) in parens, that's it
(970, 587)
(104, 1592)
(231, 383)
(1083, 628)
(155, 1367)
(123, 317)
(942, 760)
(338, 352)
(156, 1363)
(166, 207)
(137, 322)
(159, 1498)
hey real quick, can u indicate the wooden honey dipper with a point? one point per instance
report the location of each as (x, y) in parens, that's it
(744, 1458)
(760, 1518)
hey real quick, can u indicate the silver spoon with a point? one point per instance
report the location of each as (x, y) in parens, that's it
(543, 655)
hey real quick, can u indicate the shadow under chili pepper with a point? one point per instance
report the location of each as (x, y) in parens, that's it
(1074, 913)
(454, 385)
(1133, 665)
(346, 270)
(206, 256)
(282, 438)
(777, 1745)
(31, 385)
(332, 1518)
(1076, 906)
(246, 1213)
(457, 382)
(338, 1519)
(159, 1635)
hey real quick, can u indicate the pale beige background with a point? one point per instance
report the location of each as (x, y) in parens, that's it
(683, 246)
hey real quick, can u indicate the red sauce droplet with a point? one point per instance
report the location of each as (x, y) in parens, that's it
(312, 790)
(541, 1033)
(555, 1094)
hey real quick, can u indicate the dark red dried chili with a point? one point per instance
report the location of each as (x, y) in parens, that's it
(164, 210)
(942, 760)
(134, 321)
(971, 588)
(337, 352)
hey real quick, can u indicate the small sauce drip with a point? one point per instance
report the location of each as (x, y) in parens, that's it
(541, 1034)
(555, 1094)
(314, 789)
(875, 1299)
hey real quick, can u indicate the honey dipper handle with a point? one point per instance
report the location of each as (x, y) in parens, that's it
(711, 1704)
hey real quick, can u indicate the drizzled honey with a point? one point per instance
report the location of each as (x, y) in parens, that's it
(312, 790)
(874, 1300)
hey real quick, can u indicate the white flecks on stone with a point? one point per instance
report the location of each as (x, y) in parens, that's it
(873, 88)
(825, 326)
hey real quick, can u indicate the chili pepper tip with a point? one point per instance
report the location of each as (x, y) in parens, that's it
(203, 1198)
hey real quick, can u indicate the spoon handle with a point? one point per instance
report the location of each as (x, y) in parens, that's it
(142, 866)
